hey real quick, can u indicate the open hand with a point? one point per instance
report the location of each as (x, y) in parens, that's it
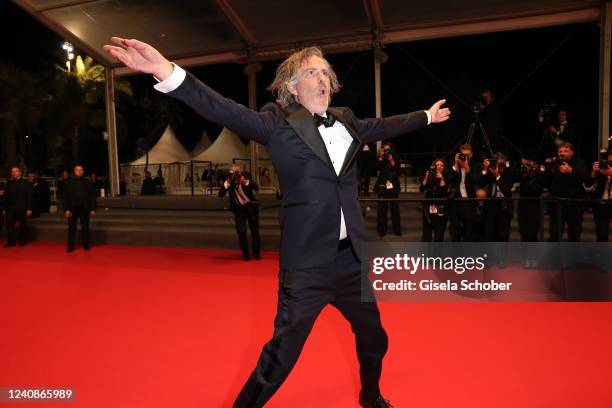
(439, 114)
(140, 56)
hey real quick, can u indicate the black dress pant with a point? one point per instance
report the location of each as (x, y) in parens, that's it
(12, 217)
(463, 221)
(434, 226)
(570, 214)
(83, 215)
(601, 214)
(383, 207)
(248, 213)
(529, 220)
(302, 294)
(497, 218)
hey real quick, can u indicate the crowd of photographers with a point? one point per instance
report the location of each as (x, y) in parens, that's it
(476, 195)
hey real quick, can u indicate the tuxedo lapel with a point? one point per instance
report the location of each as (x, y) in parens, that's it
(355, 146)
(302, 122)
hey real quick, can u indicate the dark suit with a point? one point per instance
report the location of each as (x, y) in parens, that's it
(18, 202)
(313, 271)
(463, 213)
(435, 213)
(497, 213)
(567, 186)
(80, 199)
(243, 214)
(601, 210)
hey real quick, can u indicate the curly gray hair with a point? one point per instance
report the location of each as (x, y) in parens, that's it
(287, 74)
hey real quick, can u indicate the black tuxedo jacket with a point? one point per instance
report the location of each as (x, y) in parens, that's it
(79, 194)
(19, 195)
(312, 192)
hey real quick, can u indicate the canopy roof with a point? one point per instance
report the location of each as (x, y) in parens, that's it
(168, 149)
(199, 32)
(203, 144)
(224, 149)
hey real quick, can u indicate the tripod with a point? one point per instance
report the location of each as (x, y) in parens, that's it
(476, 124)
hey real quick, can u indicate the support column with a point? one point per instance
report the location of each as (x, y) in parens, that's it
(251, 71)
(605, 57)
(377, 93)
(111, 131)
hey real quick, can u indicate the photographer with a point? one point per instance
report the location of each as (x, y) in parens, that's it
(599, 185)
(555, 131)
(435, 184)
(366, 168)
(463, 183)
(496, 180)
(566, 179)
(491, 118)
(242, 203)
(388, 186)
(530, 176)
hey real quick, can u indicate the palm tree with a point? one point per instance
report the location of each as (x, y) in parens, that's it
(22, 98)
(79, 101)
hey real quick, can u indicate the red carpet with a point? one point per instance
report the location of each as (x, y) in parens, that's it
(164, 327)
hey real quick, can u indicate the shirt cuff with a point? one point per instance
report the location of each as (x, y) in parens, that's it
(175, 79)
(428, 117)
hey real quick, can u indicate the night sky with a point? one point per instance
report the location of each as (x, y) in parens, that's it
(412, 79)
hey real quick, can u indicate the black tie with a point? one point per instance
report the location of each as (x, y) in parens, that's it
(327, 122)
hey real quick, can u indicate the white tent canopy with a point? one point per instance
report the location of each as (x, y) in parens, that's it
(224, 150)
(168, 149)
(201, 146)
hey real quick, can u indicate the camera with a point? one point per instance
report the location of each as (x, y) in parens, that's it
(462, 157)
(561, 160)
(476, 108)
(493, 163)
(603, 159)
(548, 108)
(235, 177)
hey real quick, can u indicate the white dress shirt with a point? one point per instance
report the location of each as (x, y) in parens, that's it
(336, 138)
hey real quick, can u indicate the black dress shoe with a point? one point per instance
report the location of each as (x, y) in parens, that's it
(378, 402)
(86, 248)
(7, 245)
(69, 250)
(246, 257)
(257, 257)
(22, 244)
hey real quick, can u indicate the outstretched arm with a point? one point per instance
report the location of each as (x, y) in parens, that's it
(372, 130)
(142, 57)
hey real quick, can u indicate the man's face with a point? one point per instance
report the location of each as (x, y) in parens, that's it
(313, 85)
(93, 176)
(78, 171)
(562, 116)
(487, 97)
(467, 153)
(566, 152)
(15, 172)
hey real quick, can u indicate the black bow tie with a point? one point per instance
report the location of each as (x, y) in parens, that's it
(327, 122)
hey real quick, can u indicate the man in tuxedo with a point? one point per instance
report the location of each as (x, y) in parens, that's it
(464, 179)
(566, 180)
(18, 207)
(599, 185)
(497, 181)
(240, 189)
(313, 148)
(79, 202)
